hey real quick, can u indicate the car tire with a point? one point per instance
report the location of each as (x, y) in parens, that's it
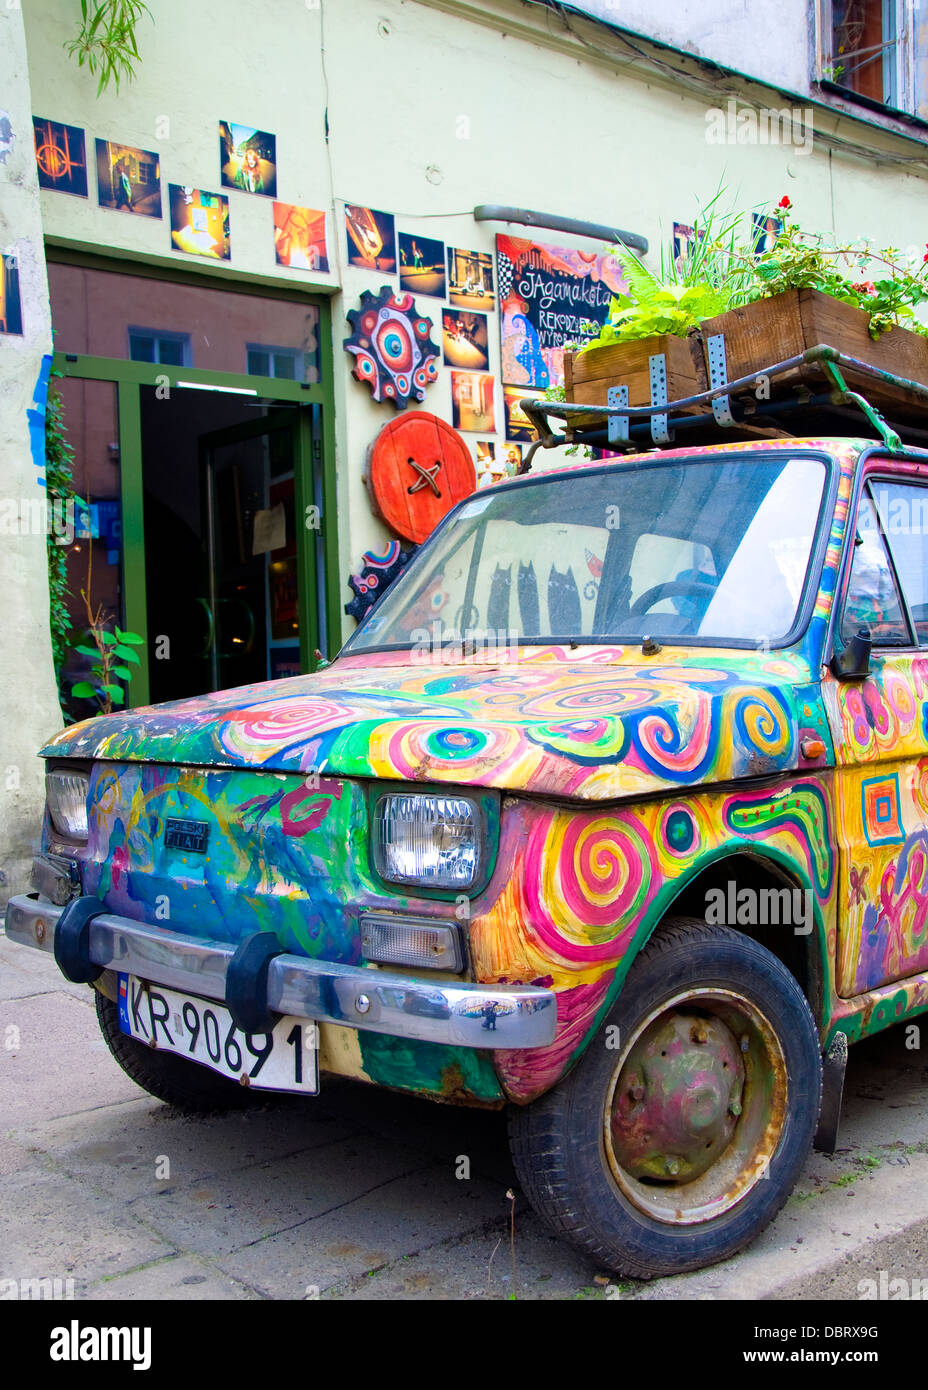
(675, 1140)
(187, 1086)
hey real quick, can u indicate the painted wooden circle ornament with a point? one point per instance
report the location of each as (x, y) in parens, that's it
(419, 469)
(392, 347)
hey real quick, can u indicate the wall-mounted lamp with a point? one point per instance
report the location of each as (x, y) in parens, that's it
(496, 212)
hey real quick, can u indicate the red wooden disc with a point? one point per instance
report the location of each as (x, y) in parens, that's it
(420, 468)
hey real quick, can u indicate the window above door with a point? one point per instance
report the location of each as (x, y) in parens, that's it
(158, 345)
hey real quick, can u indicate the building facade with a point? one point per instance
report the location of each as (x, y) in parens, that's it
(199, 237)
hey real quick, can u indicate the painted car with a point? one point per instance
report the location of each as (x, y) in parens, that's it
(614, 811)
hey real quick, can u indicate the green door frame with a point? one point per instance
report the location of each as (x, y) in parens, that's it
(314, 468)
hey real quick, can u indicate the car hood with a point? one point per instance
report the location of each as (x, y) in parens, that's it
(599, 723)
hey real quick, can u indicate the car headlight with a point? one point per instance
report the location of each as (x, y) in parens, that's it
(66, 796)
(430, 841)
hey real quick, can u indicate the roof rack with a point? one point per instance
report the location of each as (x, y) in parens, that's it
(808, 391)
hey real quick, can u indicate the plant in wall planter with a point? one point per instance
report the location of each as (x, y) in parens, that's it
(806, 293)
(769, 305)
(661, 313)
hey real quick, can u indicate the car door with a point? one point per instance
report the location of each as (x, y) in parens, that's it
(880, 728)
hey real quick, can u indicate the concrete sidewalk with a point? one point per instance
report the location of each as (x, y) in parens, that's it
(355, 1195)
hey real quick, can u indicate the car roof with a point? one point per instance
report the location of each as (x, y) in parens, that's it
(849, 445)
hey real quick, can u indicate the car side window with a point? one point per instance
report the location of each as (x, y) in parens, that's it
(872, 603)
(903, 510)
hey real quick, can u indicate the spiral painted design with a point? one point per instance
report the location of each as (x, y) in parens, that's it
(586, 878)
(763, 724)
(602, 697)
(677, 747)
(449, 750)
(283, 722)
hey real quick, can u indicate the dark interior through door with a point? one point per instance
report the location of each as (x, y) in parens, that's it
(220, 541)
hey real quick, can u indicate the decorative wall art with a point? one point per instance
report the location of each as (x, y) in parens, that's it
(496, 461)
(11, 309)
(199, 222)
(470, 279)
(464, 339)
(765, 232)
(60, 157)
(377, 574)
(392, 347)
(419, 469)
(248, 159)
(518, 425)
(128, 179)
(299, 237)
(472, 403)
(684, 243)
(549, 296)
(422, 265)
(371, 238)
(486, 462)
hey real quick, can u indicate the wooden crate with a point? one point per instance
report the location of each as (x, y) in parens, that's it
(588, 375)
(771, 330)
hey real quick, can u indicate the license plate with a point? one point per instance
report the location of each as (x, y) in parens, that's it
(286, 1059)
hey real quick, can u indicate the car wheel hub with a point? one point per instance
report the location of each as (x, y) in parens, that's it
(696, 1106)
(678, 1098)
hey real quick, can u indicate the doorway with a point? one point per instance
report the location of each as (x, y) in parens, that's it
(222, 577)
(211, 471)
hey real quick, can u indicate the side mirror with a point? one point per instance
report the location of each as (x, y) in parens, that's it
(852, 661)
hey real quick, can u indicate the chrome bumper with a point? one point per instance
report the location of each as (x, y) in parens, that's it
(438, 1011)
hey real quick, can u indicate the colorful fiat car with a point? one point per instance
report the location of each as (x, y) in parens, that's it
(613, 812)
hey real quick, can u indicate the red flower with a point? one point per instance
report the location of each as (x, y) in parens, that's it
(867, 286)
(785, 204)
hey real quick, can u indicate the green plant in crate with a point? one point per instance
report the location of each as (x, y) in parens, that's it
(807, 260)
(711, 276)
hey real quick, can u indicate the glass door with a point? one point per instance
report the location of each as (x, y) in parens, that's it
(252, 605)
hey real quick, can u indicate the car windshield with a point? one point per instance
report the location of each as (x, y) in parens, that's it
(714, 550)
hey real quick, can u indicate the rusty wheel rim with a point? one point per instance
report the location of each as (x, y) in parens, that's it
(696, 1106)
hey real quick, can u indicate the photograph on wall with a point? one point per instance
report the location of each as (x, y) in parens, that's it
(496, 461)
(472, 406)
(765, 231)
(470, 279)
(684, 243)
(464, 339)
(11, 309)
(299, 237)
(518, 425)
(422, 265)
(199, 222)
(248, 159)
(485, 461)
(371, 238)
(60, 157)
(128, 180)
(549, 296)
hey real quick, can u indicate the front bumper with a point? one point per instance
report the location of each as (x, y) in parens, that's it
(437, 1011)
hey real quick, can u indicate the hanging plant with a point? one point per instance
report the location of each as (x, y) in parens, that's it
(106, 42)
